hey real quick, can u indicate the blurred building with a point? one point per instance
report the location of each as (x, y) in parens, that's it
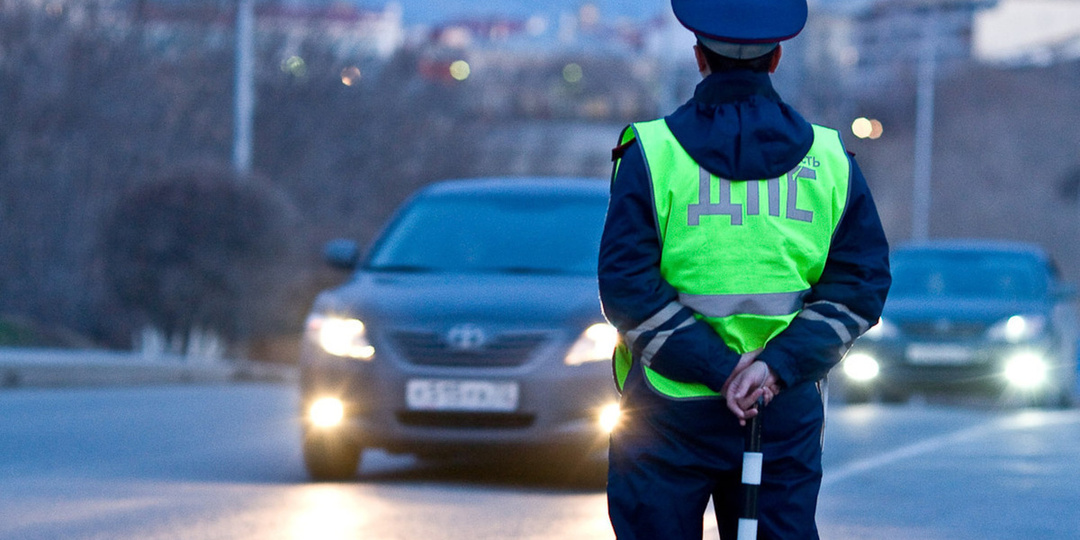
(579, 64)
(871, 46)
(353, 30)
(1029, 32)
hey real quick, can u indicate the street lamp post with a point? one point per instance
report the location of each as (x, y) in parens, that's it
(244, 106)
(924, 132)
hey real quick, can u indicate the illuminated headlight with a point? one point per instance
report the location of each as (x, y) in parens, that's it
(597, 342)
(326, 412)
(1017, 328)
(882, 330)
(1026, 370)
(609, 417)
(861, 367)
(340, 336)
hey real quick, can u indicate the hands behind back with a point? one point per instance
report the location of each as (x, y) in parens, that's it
(749, 380)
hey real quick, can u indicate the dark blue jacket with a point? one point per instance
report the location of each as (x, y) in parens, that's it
(738, 128)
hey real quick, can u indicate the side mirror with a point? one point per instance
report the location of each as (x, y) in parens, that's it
(1065, 291)
(342, 253)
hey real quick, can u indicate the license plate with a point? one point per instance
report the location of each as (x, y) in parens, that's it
(941, 355)
(461, 395)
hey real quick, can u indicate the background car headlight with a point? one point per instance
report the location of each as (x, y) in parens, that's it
(1026, 370)
(597, 342)
(340, 336)
(1017, 328)
(860, 367)
(609, 416)
(326, 412)
(882, 330)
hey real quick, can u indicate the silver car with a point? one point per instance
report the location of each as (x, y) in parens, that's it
(472, 325)
(977, 316)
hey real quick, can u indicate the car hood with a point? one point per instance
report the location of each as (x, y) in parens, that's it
(985, 310)
(434, 299)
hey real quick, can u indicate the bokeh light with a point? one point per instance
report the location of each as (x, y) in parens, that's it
(572, 73)
(350, 75)
(876, 129)
(460, 70)
(295, 66)
(861, 127)
(589, 15)
(536, 25)
(867, 128)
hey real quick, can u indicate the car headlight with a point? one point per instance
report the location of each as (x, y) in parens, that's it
(340, 336)
(326, 412)
(609, 417)
(882, 330)
(860, 367)
(597, 342)
(1026, 370)
(1017, 328)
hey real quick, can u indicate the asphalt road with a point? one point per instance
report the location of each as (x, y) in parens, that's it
(223, 462)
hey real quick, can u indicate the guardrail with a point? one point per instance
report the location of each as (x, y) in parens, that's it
(66, 368)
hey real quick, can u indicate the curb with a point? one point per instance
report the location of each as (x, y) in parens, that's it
(53, 368)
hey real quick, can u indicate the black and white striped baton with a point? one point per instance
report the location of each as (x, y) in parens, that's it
(751, 477)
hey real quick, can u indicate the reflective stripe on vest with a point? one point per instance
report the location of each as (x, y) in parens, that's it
(742, 254)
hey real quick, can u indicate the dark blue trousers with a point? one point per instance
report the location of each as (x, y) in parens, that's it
(669, 456)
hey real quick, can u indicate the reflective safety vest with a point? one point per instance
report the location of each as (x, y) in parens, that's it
(742, 254)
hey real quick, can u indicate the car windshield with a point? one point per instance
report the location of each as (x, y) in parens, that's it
(501, 233)
(967, 275)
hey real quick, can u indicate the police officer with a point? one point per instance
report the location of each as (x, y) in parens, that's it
(741, 257)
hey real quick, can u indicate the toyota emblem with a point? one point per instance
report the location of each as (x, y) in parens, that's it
(943, 326)
(466, 337)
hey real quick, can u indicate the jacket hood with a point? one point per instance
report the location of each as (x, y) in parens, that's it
(738, 128)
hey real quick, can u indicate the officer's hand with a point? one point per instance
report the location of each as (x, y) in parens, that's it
(744, 361)
(753, 382)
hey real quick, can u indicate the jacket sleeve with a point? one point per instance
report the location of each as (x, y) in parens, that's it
(662, 333)
(845, 302)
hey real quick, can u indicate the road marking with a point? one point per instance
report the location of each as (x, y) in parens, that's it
(1022, 420)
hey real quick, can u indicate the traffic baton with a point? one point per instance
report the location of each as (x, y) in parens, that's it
(751, 477)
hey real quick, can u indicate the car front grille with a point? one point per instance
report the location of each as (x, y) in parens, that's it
(431, 349)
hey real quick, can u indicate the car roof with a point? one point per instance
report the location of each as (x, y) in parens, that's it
(973, 245)
(524, 185)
